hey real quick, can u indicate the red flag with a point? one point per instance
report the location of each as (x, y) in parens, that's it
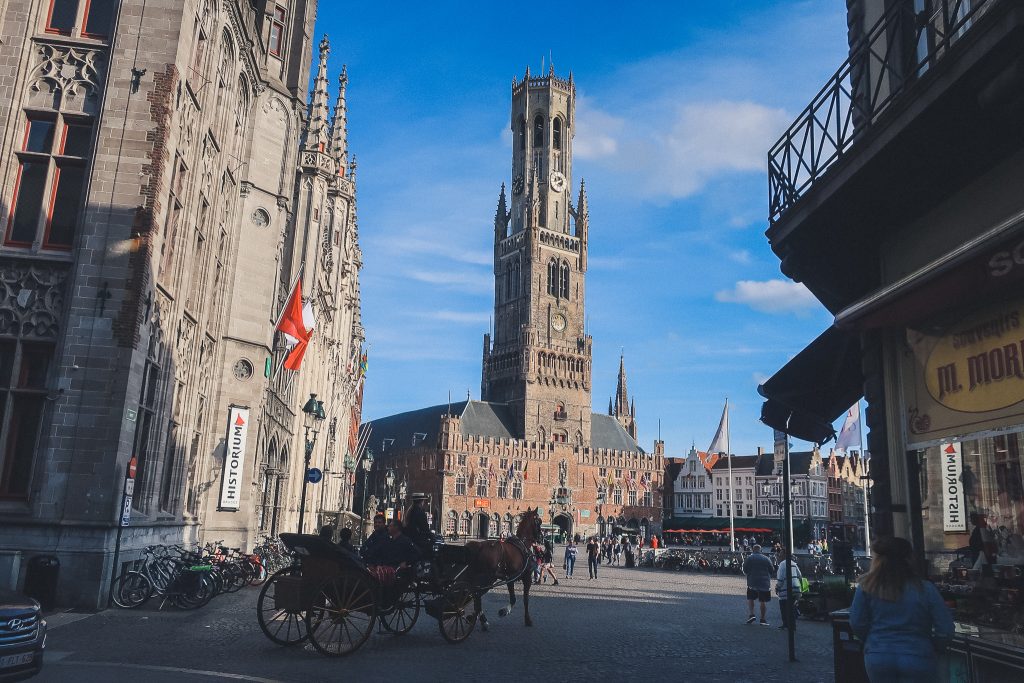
(291, 322)
(525, 467)
(294, 358)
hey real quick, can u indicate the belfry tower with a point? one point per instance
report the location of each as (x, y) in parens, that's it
(539, 360)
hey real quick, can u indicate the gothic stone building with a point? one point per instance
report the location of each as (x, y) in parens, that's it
(533, 440)
(163, 183)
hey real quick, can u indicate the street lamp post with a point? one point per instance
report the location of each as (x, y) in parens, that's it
(314, 414)
(367, 466)
(389, 481)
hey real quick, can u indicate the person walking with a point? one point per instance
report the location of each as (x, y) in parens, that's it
(547, 562)
(787, 590)
(901, 618)
(593, 556)
(617, 551)
(759, 571)
(570, 558)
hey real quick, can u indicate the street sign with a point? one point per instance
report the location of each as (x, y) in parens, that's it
(314, 475)
(126, 511)
(129, 487)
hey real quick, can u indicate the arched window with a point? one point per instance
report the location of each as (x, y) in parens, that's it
(538, 131)
(556, 133)
(563, 283)
(508, 281)
(460, 484)
(517, 277)
(553, 277)
(522, 132)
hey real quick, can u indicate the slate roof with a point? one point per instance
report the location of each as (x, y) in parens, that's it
(479, 418)
(799, 463)
(738, 461)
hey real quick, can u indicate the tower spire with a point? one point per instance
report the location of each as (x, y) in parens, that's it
(339, 126)
(621, 393)
(316, 131)
(501, 215)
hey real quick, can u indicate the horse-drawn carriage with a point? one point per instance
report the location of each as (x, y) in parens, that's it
(332, 599)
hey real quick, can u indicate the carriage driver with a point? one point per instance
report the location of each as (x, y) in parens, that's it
(417, 527)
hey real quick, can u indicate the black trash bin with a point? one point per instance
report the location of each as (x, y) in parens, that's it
(847, 651)
(41, 579)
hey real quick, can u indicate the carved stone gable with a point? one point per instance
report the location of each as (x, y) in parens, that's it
(31, 299)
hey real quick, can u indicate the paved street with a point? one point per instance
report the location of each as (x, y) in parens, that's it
(627, 625)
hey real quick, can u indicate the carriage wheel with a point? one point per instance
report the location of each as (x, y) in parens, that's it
(407, 609)
(283, 623)
(342, 615)
(457, 616)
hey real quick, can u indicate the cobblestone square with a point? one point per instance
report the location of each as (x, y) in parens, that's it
(627, 625)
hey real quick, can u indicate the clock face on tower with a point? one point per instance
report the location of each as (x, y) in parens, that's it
(517, 185)
(557, 181)
(558, 322)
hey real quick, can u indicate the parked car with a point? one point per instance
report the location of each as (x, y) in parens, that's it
(22, 637)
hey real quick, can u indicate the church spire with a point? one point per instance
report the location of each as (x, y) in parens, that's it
(339, 126)
(621, 393)
(501, 215)
(316, 131)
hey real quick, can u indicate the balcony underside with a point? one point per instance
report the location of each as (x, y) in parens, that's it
(960, 119)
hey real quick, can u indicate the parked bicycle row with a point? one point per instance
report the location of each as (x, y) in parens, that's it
(190, 577)
(723, 561)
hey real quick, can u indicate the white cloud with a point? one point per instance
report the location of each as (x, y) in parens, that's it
(474, 281)
(741, 256)
(769, 296)
(411, 245)
(674, 150)
(467, 317)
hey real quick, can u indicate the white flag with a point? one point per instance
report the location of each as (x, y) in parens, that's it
(849, 435)
(308, 319)
(720, 444)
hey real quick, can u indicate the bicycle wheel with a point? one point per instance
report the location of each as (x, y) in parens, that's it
(259, 572)
(457, 619)
(131, 590)
(196, 596)
(342, 614)
(402, 617)
(278, 611)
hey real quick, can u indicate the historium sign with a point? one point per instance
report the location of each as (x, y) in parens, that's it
(967, 377)
(954, 503)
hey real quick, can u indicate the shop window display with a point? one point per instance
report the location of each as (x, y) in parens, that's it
(972, 494)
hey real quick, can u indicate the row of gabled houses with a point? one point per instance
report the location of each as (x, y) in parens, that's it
(827, 493)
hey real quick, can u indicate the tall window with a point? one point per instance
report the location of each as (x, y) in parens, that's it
(277, 19)
(97, 17)
(502, 487)
(617, 496)
(553, 277)
(449, 525)
(522, 132)
(464, 525)
(556, 133)
(517, 488)
(24, 368)
(632, 497)
(144, 438)
(517, 277)
(481, 484)
(460, 484)
(50, 181)
(563, 281)
(538, 131)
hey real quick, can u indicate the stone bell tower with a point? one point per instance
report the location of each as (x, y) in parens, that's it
(539, 360)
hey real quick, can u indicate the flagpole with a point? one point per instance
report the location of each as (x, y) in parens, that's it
(728, 456)
(865, 477)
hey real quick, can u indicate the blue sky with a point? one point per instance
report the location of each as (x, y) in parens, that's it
(678, 103)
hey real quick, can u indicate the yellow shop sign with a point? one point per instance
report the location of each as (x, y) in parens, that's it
(978, 365)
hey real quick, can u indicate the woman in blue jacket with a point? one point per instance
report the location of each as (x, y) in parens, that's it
(901, 618)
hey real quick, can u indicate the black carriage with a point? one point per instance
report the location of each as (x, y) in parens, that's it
(334, 600)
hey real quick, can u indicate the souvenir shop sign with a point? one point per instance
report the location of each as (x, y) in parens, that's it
(967, 377)
(954, 502)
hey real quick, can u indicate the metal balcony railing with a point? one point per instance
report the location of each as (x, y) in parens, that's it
(900, 48)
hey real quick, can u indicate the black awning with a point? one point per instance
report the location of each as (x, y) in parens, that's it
(821, 383)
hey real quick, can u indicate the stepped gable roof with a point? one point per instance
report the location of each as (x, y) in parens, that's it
(738, 462)
(480, 418)
(799, 463)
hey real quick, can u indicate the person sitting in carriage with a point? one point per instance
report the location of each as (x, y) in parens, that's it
(379, 535)
(391, 559)
(417, 526)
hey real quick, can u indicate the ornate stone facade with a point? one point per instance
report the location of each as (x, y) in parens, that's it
(155, 213)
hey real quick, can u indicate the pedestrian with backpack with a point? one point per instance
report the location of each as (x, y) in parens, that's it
(788, 590)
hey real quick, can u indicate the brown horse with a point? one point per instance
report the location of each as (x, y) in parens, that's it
(491, 562)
